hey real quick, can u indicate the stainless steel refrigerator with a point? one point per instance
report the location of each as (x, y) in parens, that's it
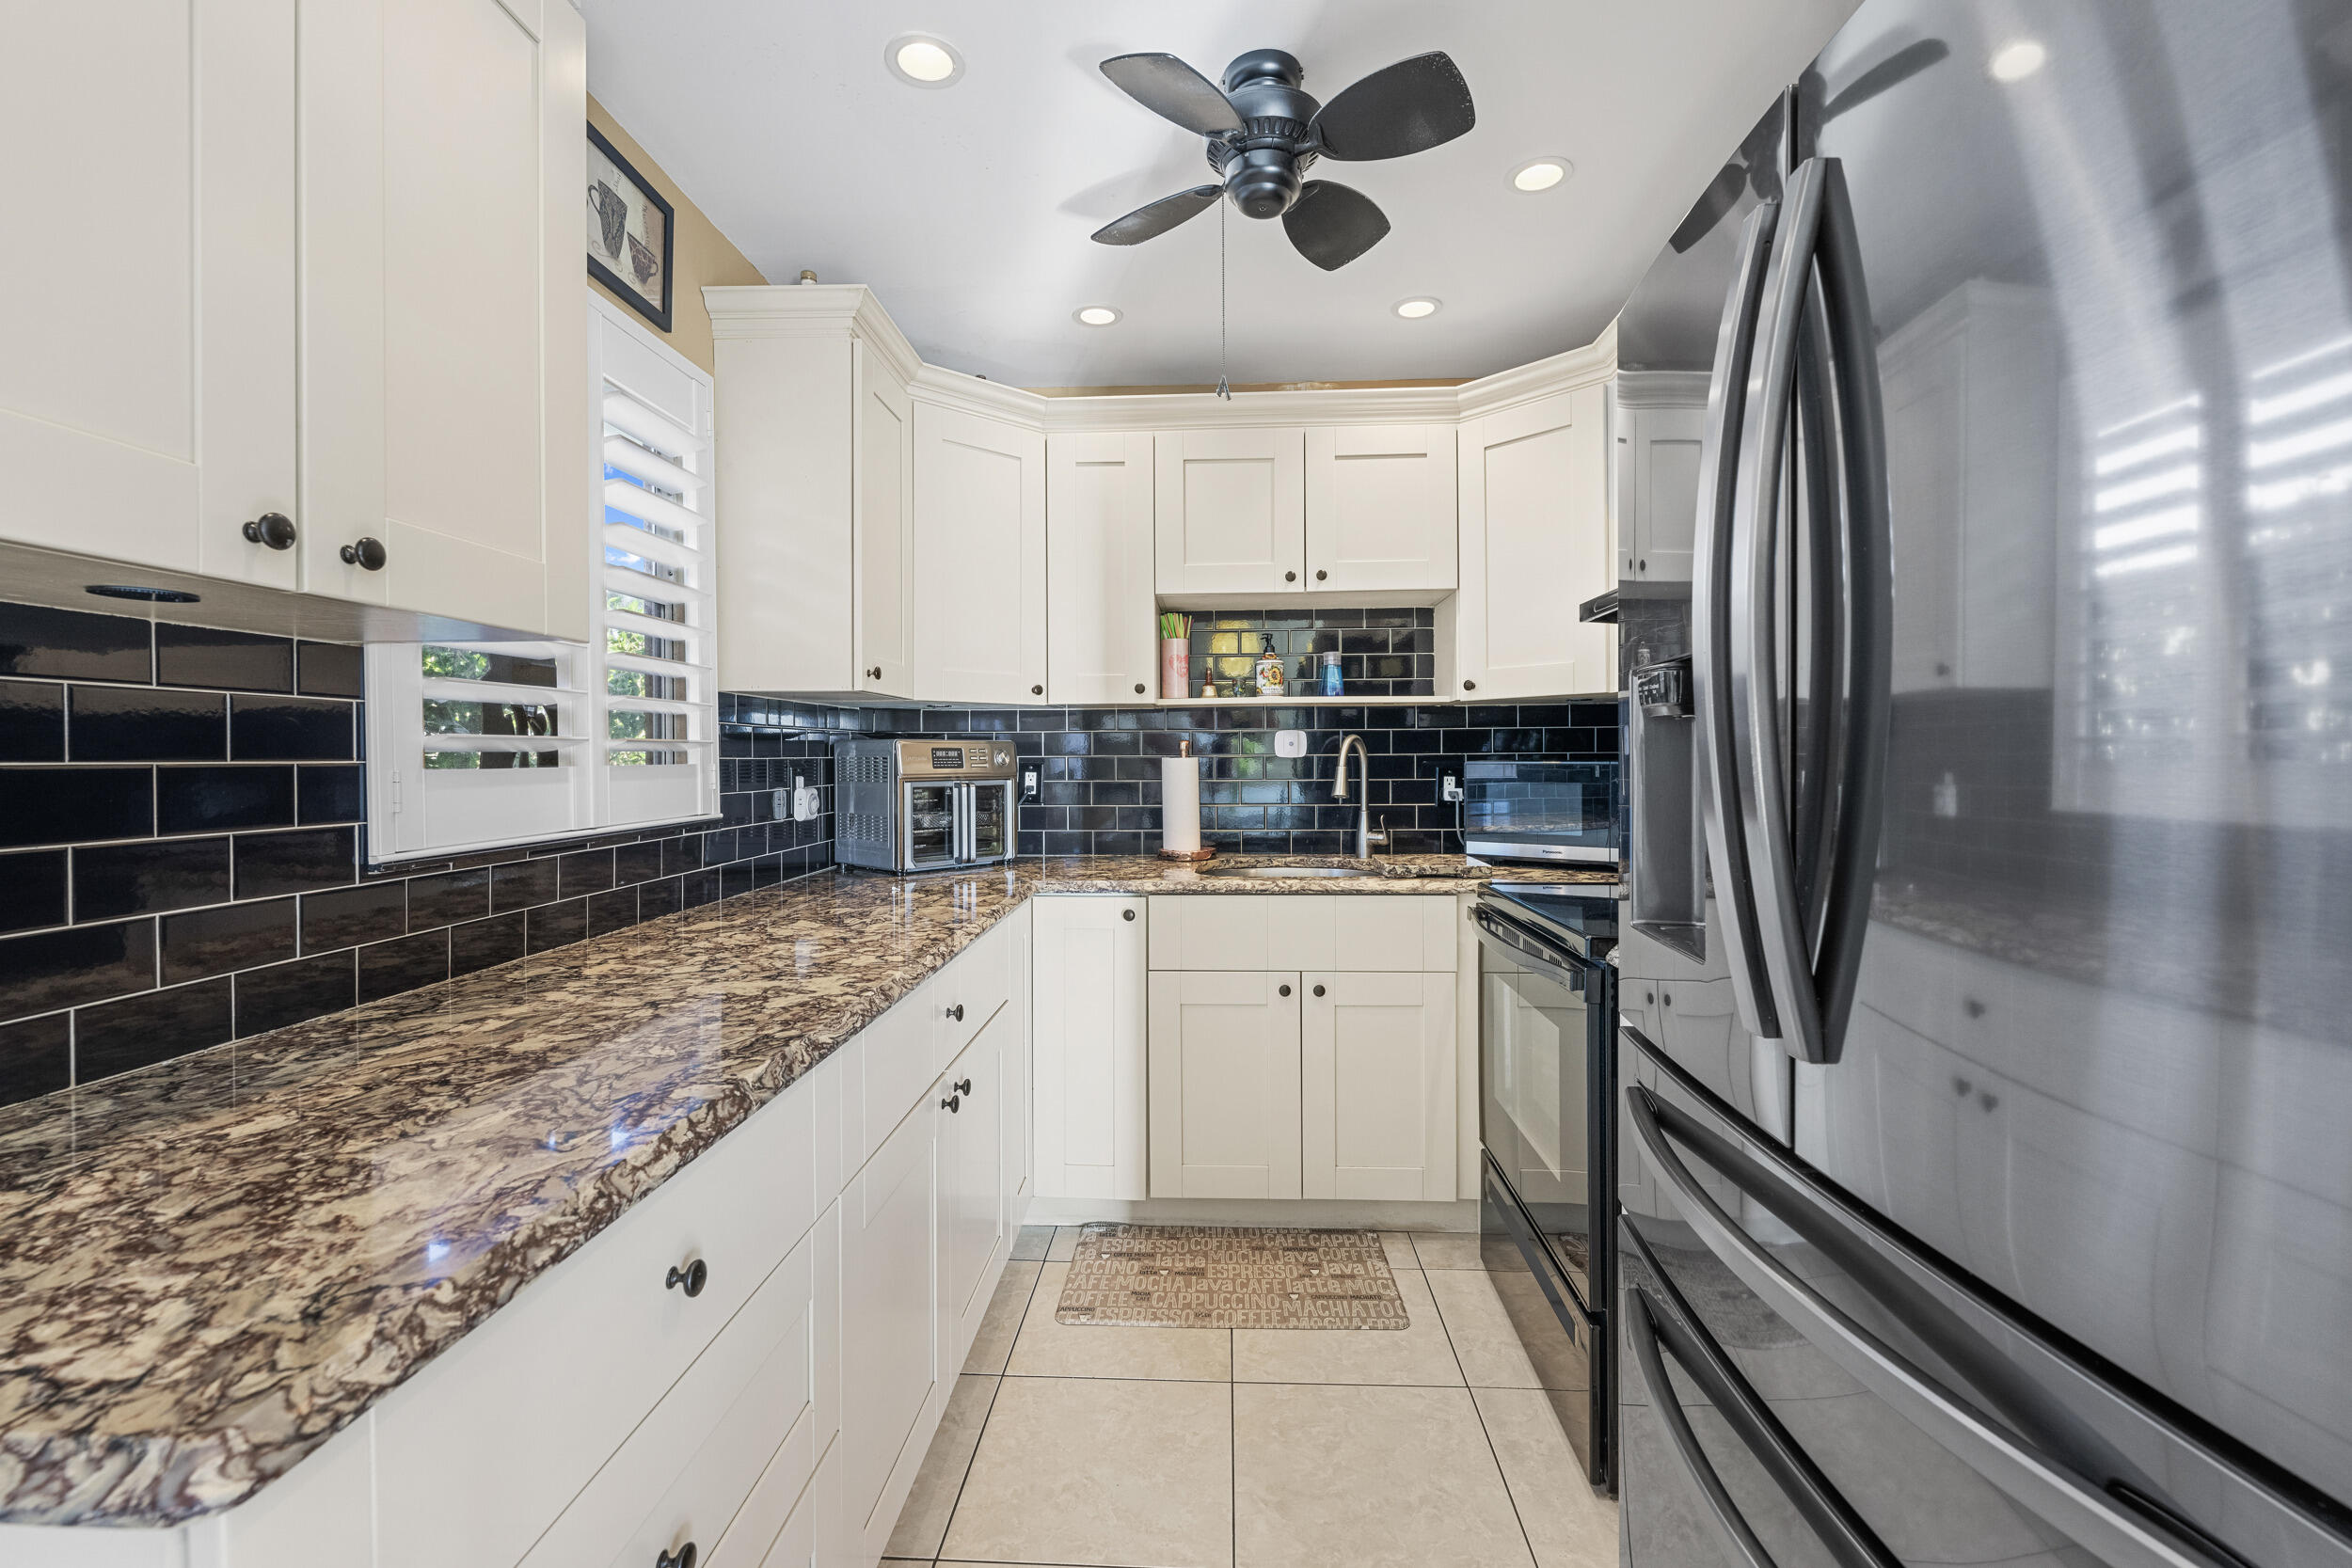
(1986, 1048)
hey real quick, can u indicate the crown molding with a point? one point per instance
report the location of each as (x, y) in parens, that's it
(1596, 362)
(1662, 388)
(811, 309)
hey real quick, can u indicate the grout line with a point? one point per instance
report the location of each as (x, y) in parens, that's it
(981, 1436)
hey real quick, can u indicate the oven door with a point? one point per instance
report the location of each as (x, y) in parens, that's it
(988, 820)
(930, 817)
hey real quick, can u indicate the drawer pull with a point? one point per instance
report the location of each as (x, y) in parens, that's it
(953, 1104)
(692, 1278)
(683, 1558)
(1286, 990)
(956, 1012)
(1318, 991)
(273, 529)
(367, 555)
(964, 1085)
(1126, 914)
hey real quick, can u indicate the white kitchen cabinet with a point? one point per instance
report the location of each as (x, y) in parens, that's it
(1660, 425)
(146, 394)
(816, 458)
(1377, 1086)
(1089, 984)
(1099, 617)
(439, 411)
(972, 1118)
(1380, 507)
(890, 1370)
(1535, 545)
(1302, 930)
(1231, 511)
(980, 558)
(1224, 1084)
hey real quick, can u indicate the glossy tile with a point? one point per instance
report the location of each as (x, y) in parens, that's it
(230, 661)
(138, 723)
(38, 641)
(680, 854)
(991, 1343)
(1418, 1353)
(547, 926)
(111, 881)
(1064, 1246)
(331, 669)
(32, 890)
(46, 970)
(586, 871)
(481, 944)
(389, 968)
(1129, 1474)
(1046, 1348)
(1367, 1477)
(614, 910)
(140, 1031)
(217, 800)
(371, 912)
(75, 805)
(1565, 1521)
(1397, 1246)
(447, 897)
(288, 993)
(290, 729)
(229, 937)
(32, 722)
(272, 863)
(655, 899)
(923, 1521)
(523, 884)
(36, 1057)
(637, 863)
(330, 794)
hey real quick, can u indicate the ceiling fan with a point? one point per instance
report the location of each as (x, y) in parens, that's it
(1757, 165)
(1264, 133)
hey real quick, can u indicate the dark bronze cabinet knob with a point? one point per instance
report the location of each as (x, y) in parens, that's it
(953, 1104)
(1126, 914)
(1318, 991)
(367, 555)
(875, 674)
(964, 1085)
(1286, 990)
(1290, 576)
(683, 1558)
(1470, 686)
(956, 1012)
(690, 1277)
(1320, 574)
(1139, 688)
(273, 529)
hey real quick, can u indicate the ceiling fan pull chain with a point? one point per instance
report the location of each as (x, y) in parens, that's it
(1222, 389)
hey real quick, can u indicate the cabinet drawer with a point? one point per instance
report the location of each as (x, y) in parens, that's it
(781, 1529)
(894, 1069)
(966, 993)
(478, 1454)
(746, 1403)
(1384, 934)
(1258, 933)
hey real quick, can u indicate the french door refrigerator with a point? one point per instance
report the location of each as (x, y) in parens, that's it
(2002, 1210)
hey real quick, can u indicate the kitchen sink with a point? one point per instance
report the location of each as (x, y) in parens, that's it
(1284, 873)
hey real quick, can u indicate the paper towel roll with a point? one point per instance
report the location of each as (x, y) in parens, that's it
(1180, 804)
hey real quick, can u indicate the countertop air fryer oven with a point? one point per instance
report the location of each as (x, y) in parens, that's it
(923, 806)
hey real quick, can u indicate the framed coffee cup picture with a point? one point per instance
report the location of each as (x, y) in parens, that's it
(629, 232)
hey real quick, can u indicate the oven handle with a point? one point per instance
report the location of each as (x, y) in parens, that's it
(1664, 1319)
(1523, 942)
(2065, 1499)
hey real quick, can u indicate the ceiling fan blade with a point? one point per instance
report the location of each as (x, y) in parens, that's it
(1174, 90)
(1332, 225)
(1408, 107)
(1150, 223)
(1708, 210)
(1897, 68)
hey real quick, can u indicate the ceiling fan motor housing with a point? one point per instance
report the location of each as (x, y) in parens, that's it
(1263, 163)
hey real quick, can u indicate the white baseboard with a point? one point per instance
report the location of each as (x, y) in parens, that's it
(1321, 1212)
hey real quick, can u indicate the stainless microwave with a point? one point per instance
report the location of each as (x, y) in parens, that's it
(1543, 812)
(923, 806)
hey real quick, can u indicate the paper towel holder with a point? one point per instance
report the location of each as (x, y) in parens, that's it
(1206, 851)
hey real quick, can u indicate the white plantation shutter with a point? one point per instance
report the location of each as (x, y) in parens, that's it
(475, 745)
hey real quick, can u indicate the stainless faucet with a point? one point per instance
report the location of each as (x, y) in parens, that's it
(1366, 837)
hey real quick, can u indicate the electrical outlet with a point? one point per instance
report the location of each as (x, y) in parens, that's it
(1450, 788)
(1028, 783)
(779, 804)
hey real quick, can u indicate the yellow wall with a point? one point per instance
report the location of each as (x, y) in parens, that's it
(699, 253)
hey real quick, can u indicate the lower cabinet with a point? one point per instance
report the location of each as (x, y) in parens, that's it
(973, 1112)
(1088, 990)
(1376, 1086)
(889, 1341)
(1225, 1074)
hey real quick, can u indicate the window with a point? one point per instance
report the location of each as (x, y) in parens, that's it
(474, 745)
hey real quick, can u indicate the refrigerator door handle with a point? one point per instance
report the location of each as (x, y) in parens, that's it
(1663, 1319)
(1642, 1334)
(2111, 1533)
(1712, 591)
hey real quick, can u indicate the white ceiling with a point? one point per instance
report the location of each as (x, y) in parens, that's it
(967, 208)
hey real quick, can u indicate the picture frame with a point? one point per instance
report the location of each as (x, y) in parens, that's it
(631, 233)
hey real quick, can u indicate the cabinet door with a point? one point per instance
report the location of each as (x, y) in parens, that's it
(1377, 1075)
(1658, 491)
(1534, 545)
(889, 1344)
(1088, 984)
(1224, 1075)
(1380, 507)
(980, 558)
(970, 1116)
(1232, 516)
(883, 503)
(442, 360)
(1099, 620)
(147, 384)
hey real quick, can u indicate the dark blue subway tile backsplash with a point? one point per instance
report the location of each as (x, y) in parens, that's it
(223, 661)
(72, 644)
(32, 722)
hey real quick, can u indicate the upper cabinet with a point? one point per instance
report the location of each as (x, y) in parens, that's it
(1099, 614)
(980, 556)
(881, 539)
(1535, 545)
(1380, 507)
(1661, 418)
(1232, 511)
(423, 416)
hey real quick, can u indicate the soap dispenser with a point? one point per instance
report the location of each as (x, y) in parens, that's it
(1271, 679)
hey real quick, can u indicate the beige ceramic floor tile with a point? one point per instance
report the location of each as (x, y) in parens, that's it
(1367, 1477)
(993, 1343)
(1484, 1337)
(923, 1521)
(1130, 1473)
(1050, 1349)
(1065, 1245)
(1448, 1249)
(1398, 1245)
(1569, 1524)
(1029, 1246)
(1418, 1353)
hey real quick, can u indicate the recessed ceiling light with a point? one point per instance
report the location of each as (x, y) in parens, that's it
(1095, 315)
(924, 61)
(2014, 62)
(1414, 308)
(1541, 174)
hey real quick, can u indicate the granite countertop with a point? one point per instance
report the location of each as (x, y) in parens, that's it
(209, 1267)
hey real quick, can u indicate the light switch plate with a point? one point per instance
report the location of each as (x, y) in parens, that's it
(1290, 743)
